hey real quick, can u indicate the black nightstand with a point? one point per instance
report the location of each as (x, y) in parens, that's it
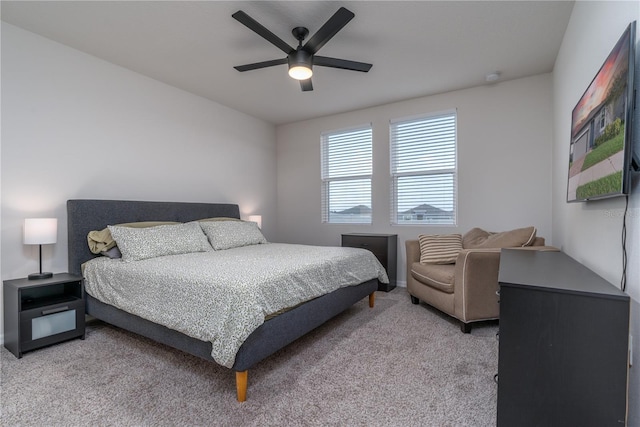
(42, 312)
(383, 246)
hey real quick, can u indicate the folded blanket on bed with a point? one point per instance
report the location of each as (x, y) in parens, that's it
(223, 296)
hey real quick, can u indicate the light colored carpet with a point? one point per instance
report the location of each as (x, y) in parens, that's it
(396, 364)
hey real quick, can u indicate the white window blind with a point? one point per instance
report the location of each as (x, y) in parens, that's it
(423, 170)
(346, 175)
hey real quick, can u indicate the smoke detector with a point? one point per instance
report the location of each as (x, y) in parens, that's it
(492, 77)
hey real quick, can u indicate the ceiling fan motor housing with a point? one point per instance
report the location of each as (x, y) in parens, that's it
(300, 58)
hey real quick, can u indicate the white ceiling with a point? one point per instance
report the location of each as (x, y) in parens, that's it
(417, 48)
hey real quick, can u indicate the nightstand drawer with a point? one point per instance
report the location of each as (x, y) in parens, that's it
(377, 245)
(52, 324)
(40, 323)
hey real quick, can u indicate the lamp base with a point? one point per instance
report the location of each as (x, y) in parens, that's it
(38, 276)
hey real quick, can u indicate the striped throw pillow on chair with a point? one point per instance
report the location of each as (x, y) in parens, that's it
(439, 248)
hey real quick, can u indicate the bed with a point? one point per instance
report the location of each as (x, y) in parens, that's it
(275, 333)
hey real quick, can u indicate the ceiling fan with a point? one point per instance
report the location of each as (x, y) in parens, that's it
(302, 59)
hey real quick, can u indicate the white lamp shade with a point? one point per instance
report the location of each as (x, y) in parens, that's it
(40, 231)
(257, 219)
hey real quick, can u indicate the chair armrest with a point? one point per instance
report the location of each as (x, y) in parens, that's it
(413, 251)
(413, 255)
(476, 283)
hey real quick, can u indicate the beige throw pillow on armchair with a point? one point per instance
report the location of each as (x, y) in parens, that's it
(479, 238)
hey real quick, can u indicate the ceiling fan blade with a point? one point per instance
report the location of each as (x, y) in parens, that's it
(341, 63)
(328, 30)
(263, 64)
(306, 85)
(256, 27)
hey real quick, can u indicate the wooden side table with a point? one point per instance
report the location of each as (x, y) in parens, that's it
(383, 246)
(42, 312)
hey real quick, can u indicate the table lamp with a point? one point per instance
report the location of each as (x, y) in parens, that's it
(257, 219)
(40, 231)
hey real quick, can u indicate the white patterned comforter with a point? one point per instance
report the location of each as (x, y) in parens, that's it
(223, 296)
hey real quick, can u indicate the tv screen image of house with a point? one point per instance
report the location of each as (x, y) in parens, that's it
(600, 147)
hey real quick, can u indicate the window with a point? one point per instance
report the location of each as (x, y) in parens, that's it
(603, 119)
(346, 176)
(423, 169)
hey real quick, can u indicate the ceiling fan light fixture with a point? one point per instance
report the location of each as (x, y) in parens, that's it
(300, 65)
(300, 72)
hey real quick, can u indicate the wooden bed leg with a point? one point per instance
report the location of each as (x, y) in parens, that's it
(241, 385)
(372, 299)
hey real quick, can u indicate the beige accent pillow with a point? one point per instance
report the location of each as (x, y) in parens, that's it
(101, 241)
(439, 248)
(474, 237)
(478, 238)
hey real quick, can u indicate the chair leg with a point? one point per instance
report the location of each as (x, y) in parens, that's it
(465, 327)
(414, 300)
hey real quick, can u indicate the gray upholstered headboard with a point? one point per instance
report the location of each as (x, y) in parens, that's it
(86, 215)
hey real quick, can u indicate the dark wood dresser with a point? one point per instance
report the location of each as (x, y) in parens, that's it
(383, 246)
(564, 343)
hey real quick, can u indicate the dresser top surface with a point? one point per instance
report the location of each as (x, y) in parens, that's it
(370, 234)
(550, 270)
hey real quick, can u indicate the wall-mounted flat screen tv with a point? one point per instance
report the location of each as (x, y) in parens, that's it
(602, 148)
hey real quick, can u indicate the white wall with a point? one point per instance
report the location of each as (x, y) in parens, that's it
(504, 166)
(591, 232)
(74, 126)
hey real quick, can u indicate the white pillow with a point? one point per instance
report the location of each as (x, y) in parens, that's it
(232, 234)
(143, 243)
